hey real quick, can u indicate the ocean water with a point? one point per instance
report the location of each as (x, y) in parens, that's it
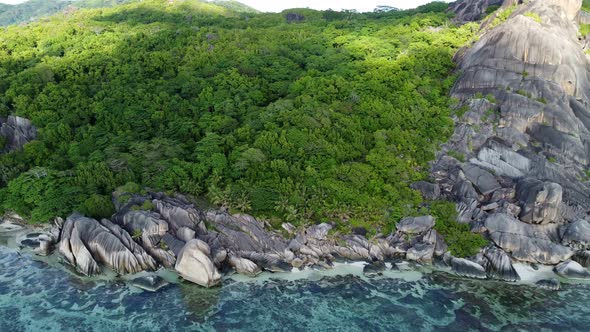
(41, 296)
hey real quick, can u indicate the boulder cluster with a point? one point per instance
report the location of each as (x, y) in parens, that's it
(201, 244)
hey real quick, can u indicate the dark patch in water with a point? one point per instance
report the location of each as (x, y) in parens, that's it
(35, 296)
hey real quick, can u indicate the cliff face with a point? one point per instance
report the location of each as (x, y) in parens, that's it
(521, 151)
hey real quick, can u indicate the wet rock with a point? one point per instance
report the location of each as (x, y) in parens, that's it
(374, 269)
(151, 283)
(86, 243)
(432, 236)
(415, 225)
(467, 268)
(548, 284)
(577, 234)
(421, 252)
(30, 243)
(539, 201)
(244, 266)
(8, 226)
(193, 264)
(498, 265)
(269, 262)
(572, 270)
(582, 257)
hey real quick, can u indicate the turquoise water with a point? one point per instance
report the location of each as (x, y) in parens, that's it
(37, 296)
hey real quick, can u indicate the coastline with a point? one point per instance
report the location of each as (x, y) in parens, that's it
(403, 269)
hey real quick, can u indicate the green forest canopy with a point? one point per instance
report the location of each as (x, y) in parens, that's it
(327, 116)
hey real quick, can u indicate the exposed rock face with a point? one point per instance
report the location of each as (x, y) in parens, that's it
(525, 242)
(582, 257)
(17, 132)
(471, 10)
(525, 136)
(181, 216)
(194, 264)
(539, 202)
(151, 230)
(86, 243)
(498, 265)
(415, 225)
(467, 268)
(244, 266)
(572, 270)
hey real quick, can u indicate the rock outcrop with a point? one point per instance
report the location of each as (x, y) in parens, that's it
(471, 10)
(16, 132)
(572, 270)
(467, 268)
(193, 264)
(525, 138)
(87, 244)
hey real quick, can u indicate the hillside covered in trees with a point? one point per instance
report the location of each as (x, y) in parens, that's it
(301, 116)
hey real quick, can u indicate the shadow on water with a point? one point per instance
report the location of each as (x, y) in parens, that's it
(199, 302)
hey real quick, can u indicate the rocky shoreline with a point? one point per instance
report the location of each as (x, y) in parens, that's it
(201, 246)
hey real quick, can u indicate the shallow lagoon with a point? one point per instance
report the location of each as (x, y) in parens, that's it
(39, 296)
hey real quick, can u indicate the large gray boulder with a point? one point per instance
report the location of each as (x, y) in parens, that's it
(429, 191)
(498, 265)
(577, 234)
(415, 225)
(422, 252)
(484, 181)
(193, 264)
(149, 229)
(467, 268)
(86, 244)
(572, 270)
(180, 216)
(150, 282)
(244, 266)
(526, 242)
(548, 284)
(539, 201)
(582, 257)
